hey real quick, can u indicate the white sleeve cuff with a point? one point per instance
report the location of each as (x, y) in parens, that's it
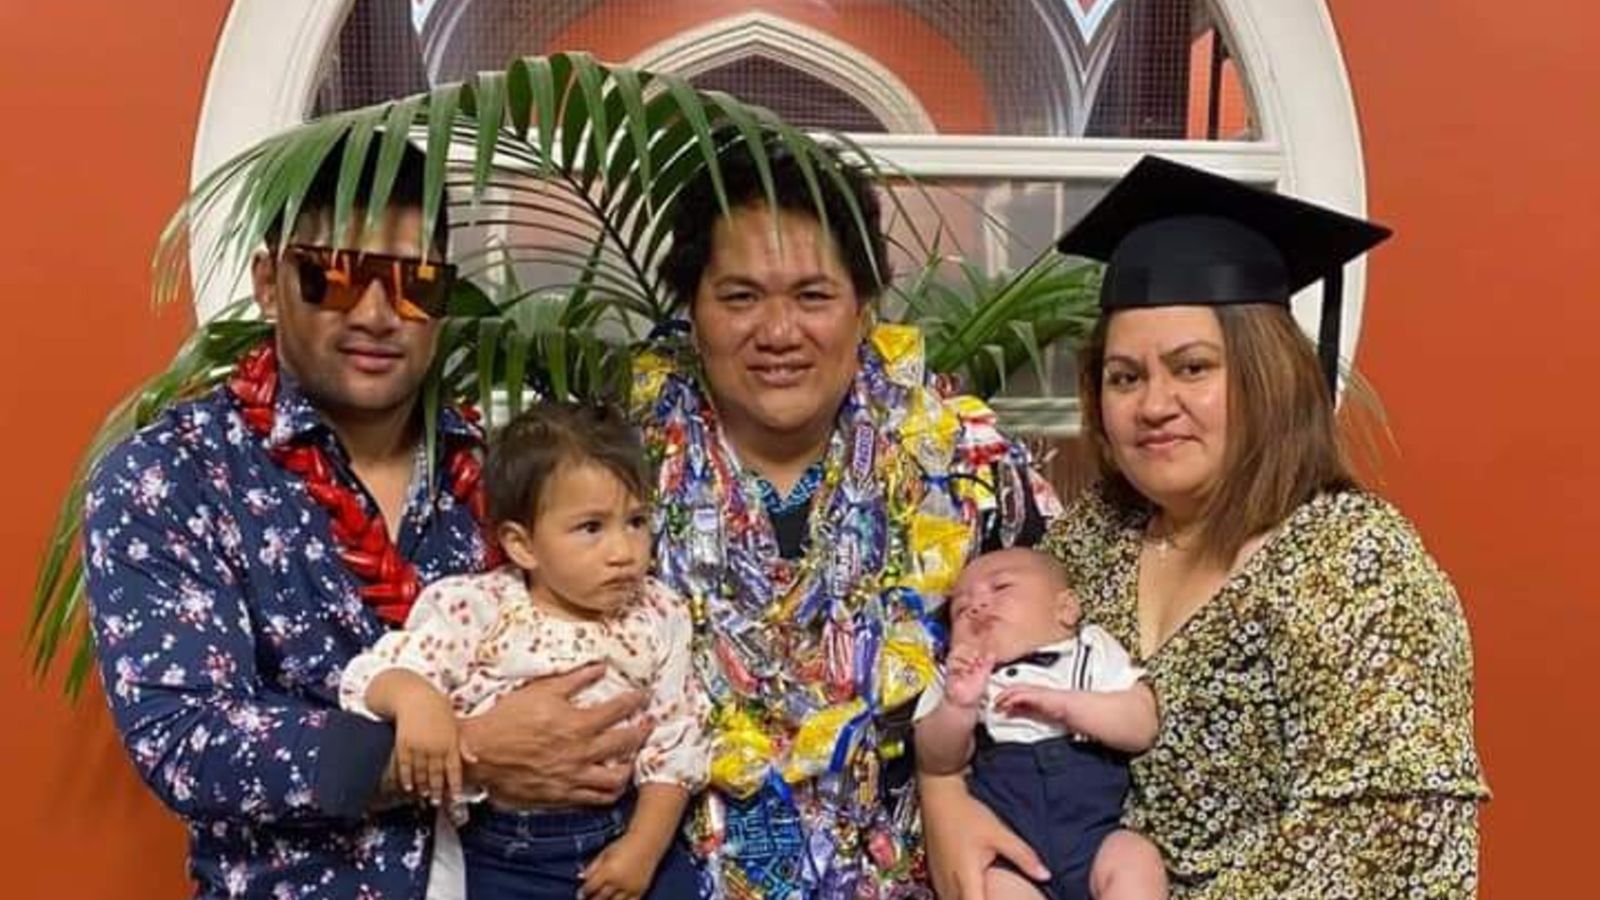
(355, 679)
(358, 675)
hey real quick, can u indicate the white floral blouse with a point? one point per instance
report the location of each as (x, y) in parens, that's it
(479, 637)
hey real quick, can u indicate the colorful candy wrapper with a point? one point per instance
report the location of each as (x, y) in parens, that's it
(650, 372)
(822, 737)
(938, 546)
(884, 850)
(741, 755)
(905, 664)
(709, 826)
(839, 643)
(983, 443)
(929, 429)
(900, 347)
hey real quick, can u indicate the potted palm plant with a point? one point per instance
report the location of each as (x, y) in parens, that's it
(565, 172)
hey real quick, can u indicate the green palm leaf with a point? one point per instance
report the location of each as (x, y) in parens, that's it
(983, 328)
(568, 170)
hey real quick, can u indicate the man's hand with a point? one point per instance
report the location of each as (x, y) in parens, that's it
(534, 748)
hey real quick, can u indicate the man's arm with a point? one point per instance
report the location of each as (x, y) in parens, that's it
(177, 656)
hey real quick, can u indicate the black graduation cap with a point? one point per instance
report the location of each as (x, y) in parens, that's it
(1173, 235)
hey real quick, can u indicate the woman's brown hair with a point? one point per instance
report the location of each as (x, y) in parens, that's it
(1283, 441)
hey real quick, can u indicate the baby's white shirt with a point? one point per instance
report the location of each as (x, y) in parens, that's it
(1091, 661)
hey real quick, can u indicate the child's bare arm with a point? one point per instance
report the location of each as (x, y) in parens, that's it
(625, 868)
(1125, 720)
(407, 676)
(656, 817)
(945, 736)
(427, 758)
(393, 690)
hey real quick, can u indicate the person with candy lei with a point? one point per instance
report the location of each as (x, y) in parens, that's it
(818, 492)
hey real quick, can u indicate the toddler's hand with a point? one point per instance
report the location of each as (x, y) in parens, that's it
(622, 871)
(427, 747)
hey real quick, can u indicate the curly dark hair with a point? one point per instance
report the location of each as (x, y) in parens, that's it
(865, 255)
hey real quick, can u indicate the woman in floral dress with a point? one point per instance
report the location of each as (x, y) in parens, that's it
(1311, 660)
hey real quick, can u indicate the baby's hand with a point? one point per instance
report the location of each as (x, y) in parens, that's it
(966, 676)
(1044, 704)
(427, 746)
(622, 871)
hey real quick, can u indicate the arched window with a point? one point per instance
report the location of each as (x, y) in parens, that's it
(798, 97)
(1047, 68)
(1026, 108)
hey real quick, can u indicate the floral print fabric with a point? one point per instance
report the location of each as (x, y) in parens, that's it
(1316, 735)
(223, 618)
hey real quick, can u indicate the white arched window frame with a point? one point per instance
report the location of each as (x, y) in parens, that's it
(265, 72)
(816, 53)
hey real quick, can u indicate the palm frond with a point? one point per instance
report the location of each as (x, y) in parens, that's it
(568, 171)
(984, 328)
(58, 594)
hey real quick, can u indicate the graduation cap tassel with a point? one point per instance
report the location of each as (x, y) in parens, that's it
(1328, 333)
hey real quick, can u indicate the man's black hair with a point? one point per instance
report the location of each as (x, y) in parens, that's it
(406, 192)
(865, 256)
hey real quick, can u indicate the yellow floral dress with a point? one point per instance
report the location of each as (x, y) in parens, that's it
(1316, 736)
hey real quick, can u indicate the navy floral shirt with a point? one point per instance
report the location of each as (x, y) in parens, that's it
(223, 617)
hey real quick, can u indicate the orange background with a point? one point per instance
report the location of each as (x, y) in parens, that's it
(1479, 131)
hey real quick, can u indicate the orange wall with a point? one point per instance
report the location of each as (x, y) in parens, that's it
(100, 99)
(1488, 182)
(1480, 335)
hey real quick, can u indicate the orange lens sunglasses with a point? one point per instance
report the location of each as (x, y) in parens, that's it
(335, 280)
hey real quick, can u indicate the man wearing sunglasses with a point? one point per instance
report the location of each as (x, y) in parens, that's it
(246, 545)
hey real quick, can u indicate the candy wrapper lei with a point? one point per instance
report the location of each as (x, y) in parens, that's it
(806, 661)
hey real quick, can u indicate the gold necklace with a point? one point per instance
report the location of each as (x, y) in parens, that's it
(1164, 542)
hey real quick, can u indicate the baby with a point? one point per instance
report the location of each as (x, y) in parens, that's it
(566, 487)
(1046, 712)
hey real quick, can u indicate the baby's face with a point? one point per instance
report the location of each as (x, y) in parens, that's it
(1011, 602)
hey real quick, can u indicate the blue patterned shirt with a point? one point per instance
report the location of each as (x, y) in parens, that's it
(223, 617)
